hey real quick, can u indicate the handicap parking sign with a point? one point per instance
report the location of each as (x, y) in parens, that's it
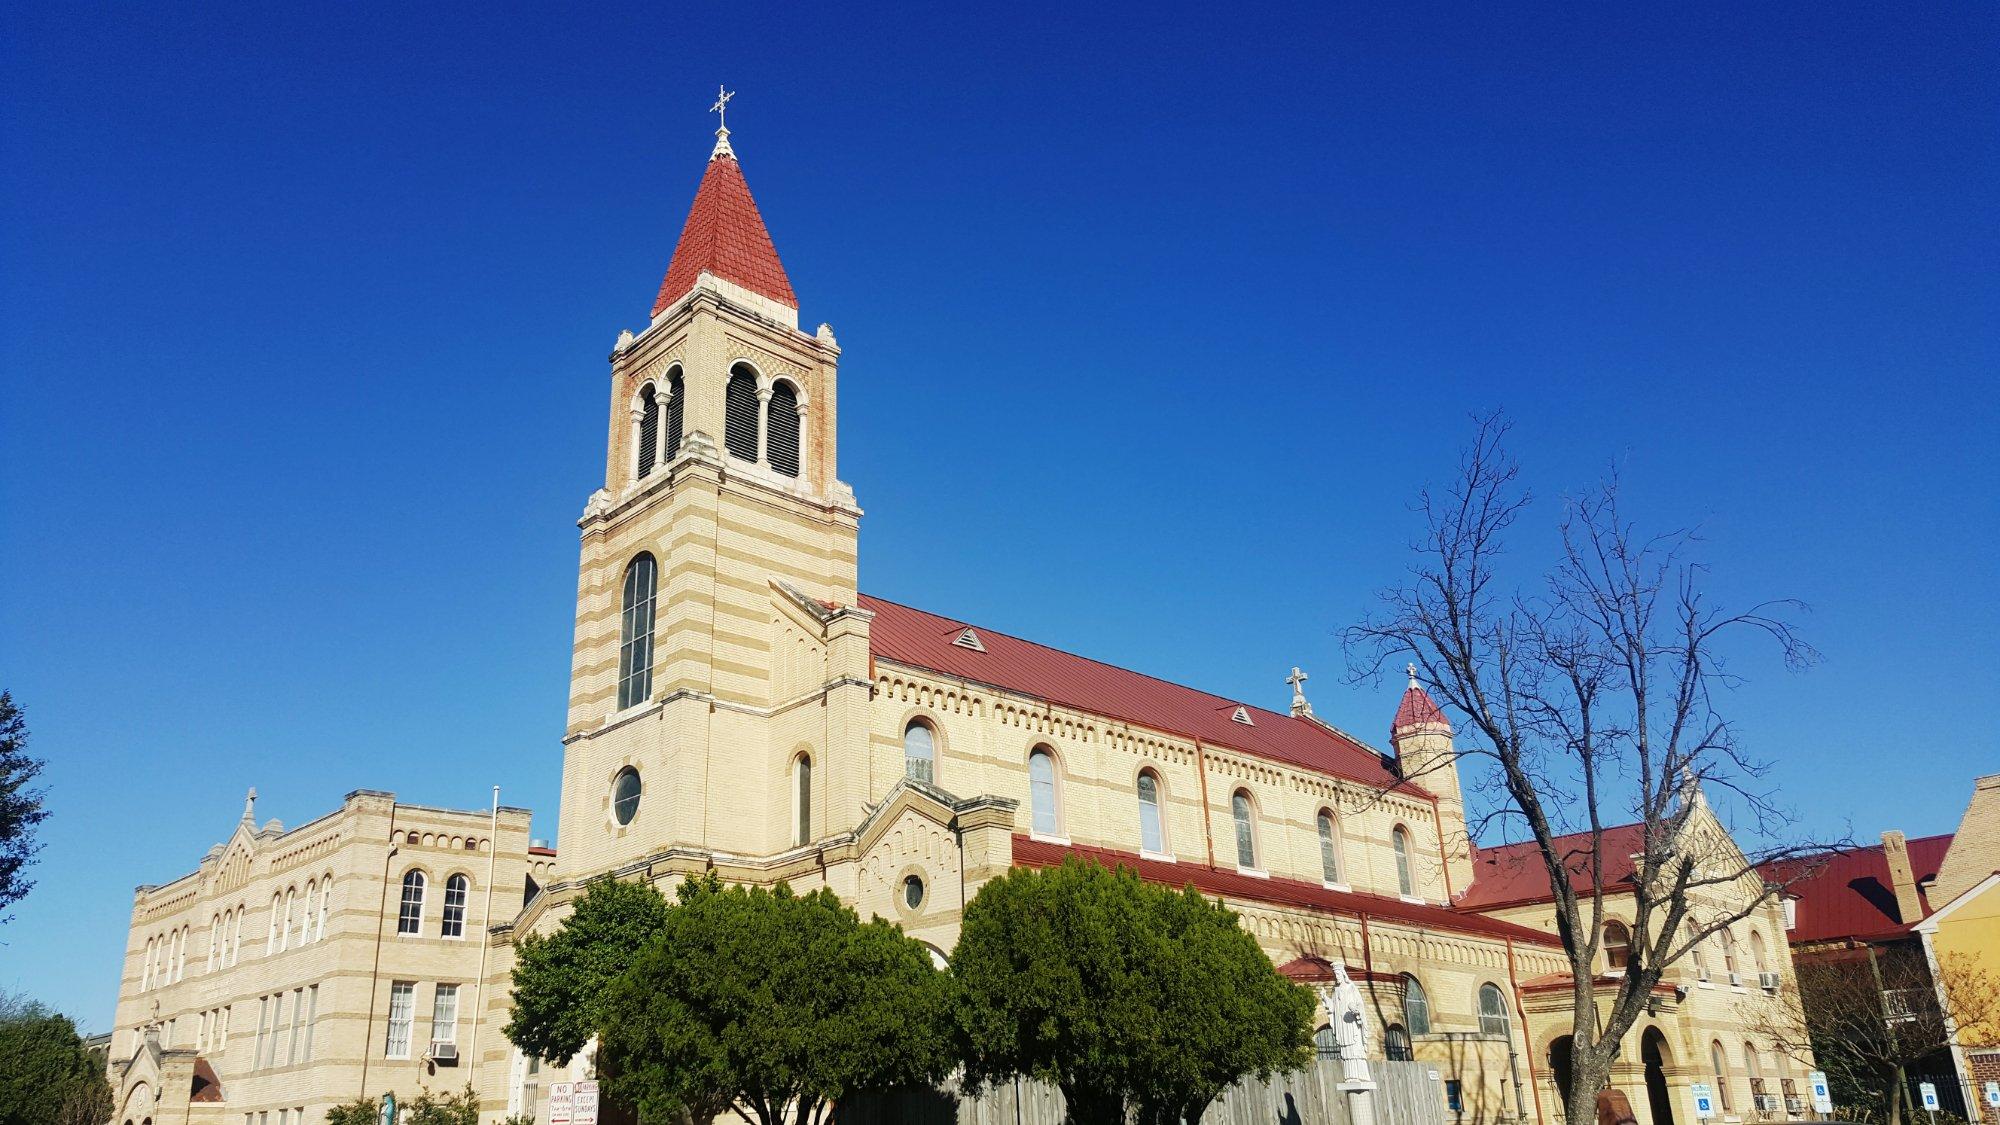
(1993, 1094)
(1929, 1091)
(1821, 1096)
(1704, 1100)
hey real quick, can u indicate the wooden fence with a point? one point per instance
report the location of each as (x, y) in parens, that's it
(1407, 1093)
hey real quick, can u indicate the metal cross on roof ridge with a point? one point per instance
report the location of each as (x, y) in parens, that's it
(721, 106)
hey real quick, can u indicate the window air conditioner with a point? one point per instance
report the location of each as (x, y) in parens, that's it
(1736, 979)
(1795, 1105)
(1767, 981)
(1767, 1103)
(444, 1051)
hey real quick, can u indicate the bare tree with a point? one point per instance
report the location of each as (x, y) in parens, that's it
(1590, 696)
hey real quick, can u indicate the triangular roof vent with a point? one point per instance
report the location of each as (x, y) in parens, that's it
(1242, 715)
(970, 639)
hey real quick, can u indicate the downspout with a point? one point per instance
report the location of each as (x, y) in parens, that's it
(1534, 1083)
(375, 971)
(1207, 825)
(486, 936)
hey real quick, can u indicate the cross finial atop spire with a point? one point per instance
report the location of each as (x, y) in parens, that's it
(1411, 668)
(1298, 681)
(250, 805)
(721, 111)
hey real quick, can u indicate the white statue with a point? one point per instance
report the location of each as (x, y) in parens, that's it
(1350, 1022)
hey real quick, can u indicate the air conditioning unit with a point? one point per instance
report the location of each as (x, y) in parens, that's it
(1767, 1103)
(444, 1051)
(1736, 980)
(1767, 981)
(1795, 1105)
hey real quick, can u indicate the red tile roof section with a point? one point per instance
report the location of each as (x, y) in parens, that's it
(725, 235)
(1513, 874)
(1417, 709)
(924, 640)
(541, 851)
(1850, 896)
(1030, 852)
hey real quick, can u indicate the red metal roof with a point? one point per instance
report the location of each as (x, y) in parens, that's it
(1417, 709)
(924, 640)
(725, 235)
(1029, 852)
(1850, 895)
(1513, 874)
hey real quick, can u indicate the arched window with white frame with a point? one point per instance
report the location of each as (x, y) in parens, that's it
(635, 632)
(1399, 842)
(1044, 793)
(920, 751)
(1493, 1011)
(1152, 825)
(1617, 945)
(1416, 1006)
(455, 890)
(1329, 846)
(1244, 813)
(410, 913)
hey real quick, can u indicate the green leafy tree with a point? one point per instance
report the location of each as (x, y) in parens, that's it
(759, 999)
(1127, 996)
(360, 1111)
(46, 1074)
(20, 806)
(560, 978)
(431, 1108)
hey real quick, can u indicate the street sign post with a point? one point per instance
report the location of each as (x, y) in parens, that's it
(1704, 1100)
(1821, 1095)
(562, 1103)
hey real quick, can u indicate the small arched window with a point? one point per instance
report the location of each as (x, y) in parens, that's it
(1241, 811)
(1719, 1066)
(1045, 816)
(1755, 1070)
(1396, 1043)
(739, 422)
(410, 917)
(1416, 1006)
(214, 940)
(649, 432)
(1700, 964)
(1399, 839)
(919, 751)
(635, 633)
(782, 429)
(1492, 1010)
(1617, 945)
(1757, 952)
(1729, 955)
(1326, 1041)
(455, 890)
(1329, 847)
(271, 938)
(1152, 830)
(802, 799)
(676, 411)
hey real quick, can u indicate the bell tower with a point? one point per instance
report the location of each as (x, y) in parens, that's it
(719, 680)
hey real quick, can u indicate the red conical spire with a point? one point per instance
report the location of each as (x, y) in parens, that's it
(1417, 708)
(725, 236)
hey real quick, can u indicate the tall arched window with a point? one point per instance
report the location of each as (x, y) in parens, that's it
(1756, 1072)
(1492, 1010)
(214, 940)
(410, 918)
(649, 431)
(1246, 829)
(1719, 1064)
(1757, 958)
(635, 633)
(455, 890)
(236, 952)
(802, 799)
(325, 905)
(739, 422)
(1399, 839)
(1329, 847)
(919, 751)
(1617, 945)
(1152, 831)
(782, 429)
(1416, 1006)
(1700, 963)
(676, 411)
(1729, 964)
(303, 933)
(271, 938)
(1046, 818)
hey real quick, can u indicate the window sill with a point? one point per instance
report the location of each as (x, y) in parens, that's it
(629, 714)
(1704, 984)
(1413, 899)
(1254, 872)
(1336, 886)
(1159, 857)
(1062, 841)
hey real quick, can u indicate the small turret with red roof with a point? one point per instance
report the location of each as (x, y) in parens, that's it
(1421, 736)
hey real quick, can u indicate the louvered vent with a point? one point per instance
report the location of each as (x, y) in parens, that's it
(676, 397)
(649, 431)
(970, 639)
(739, 429)
(1242, 715)
(782, 429)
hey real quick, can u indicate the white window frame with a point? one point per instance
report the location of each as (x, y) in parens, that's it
(401, 1021)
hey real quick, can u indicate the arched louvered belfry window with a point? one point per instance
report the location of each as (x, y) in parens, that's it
(649, 431)
(676, 411)
(782, 429)
(739, 423)
(635, 633)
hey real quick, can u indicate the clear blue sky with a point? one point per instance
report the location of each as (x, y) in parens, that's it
(1154, 320)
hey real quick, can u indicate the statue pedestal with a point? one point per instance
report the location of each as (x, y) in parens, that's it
(1359, 1089)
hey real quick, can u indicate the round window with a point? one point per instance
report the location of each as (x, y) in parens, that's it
(625, 795)
(913, 891)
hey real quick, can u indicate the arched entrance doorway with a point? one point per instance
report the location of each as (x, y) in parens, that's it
(1653, 1051)
(1559, 1064)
